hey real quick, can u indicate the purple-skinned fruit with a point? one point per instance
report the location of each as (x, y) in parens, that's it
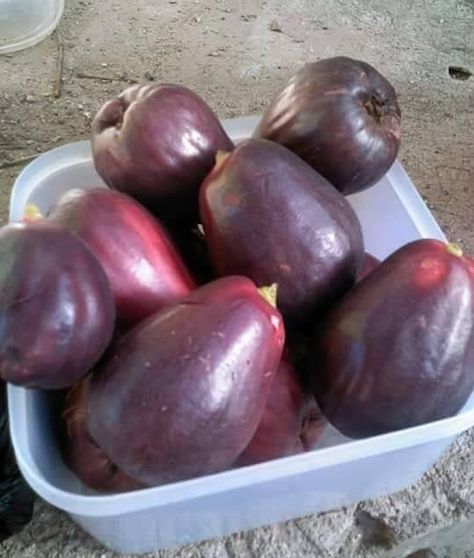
(157, 142)
(57, 312)
(183, 392)
(291, 422)
(268, 215)
(342, 117)
(144, 269)
(369, 263)
(82, 455)
(398, 350)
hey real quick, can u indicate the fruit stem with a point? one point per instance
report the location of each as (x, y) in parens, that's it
(454, 249)
(269, 293)
(32, 213)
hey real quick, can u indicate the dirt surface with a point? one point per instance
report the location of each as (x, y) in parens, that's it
(237, 55)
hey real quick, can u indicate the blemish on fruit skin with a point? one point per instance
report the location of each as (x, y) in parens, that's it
(218, 334)
(332, 92)
(422, 321)
(430, 272)
(285, 268)
(231, 200)
(164, 409)
(206, 361)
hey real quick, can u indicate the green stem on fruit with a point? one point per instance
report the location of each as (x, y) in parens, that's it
(269, 293)
(454, 249)
(32, 213)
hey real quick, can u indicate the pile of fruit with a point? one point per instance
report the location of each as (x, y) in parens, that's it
(215, 307)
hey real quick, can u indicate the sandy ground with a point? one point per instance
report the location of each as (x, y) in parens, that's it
(237, 55)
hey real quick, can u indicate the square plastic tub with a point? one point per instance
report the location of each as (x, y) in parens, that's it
(338, 472)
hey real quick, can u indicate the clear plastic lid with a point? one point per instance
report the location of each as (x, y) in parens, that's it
(24, 23)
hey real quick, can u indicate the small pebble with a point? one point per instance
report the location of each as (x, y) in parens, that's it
(104, 64)
(149, 76)
(275, 26)
(29, 99)
(80, 106)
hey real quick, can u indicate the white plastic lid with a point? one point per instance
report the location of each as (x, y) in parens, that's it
(23, 23)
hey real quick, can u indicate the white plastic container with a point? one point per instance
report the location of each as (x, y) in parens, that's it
(339, 472)
(23, 23)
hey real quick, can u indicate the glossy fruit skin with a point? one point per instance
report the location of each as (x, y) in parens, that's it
(83, 456)
(269, 216)
(342, 117)
(157, 142)
(398, 350)
(143, 267)
(56, 309)
(193, 379)
(369, 263)
(291, 422)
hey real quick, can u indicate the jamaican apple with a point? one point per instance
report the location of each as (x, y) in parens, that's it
(291, 422)
(369, 263)
(83, 456)
(143, 267)
(183, 392)
(398, 350)
(157, 142)
(268, 215)
(56, 308)
(342, 117)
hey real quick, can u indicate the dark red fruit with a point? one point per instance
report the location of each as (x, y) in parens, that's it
(342, 117)
(145, 271)
(83, 456)
(291, 422)
(269, 216)
(183, 392)
(398, 350)
(157, 143)
(56, 309)
(369, 264)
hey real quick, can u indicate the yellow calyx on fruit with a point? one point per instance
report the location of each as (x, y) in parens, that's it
(269, 293)
(454, 249)
(32, 213)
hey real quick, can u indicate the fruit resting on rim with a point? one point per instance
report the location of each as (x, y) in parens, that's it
(342, 117)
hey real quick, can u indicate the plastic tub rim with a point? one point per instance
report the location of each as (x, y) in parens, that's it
(31, 40)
